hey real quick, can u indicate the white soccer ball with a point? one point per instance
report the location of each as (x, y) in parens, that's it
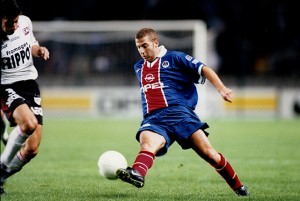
(109, 162)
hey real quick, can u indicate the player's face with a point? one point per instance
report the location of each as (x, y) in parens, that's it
(147, 48)
(10, 25)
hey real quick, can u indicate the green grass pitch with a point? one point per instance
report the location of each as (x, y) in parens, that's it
(264, 153)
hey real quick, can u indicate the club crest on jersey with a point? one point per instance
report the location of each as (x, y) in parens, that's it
(26, 30)
(165, 64)
(149, 77)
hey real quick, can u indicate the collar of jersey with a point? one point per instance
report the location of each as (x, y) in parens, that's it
(162, 52)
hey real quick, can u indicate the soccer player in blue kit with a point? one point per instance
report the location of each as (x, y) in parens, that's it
(167, 80)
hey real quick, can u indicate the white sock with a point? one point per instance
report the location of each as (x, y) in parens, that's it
(5, 134)
(17, 162)
(4, 129)
(14, 166)
(15, 142)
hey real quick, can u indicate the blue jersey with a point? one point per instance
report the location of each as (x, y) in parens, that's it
(169, 80)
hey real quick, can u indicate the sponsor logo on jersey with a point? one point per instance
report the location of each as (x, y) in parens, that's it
(16, 57)
(155, 85)
(14, 38)
(149, 77)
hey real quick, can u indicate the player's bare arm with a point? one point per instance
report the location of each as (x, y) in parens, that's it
(213, 78)
(39, 51)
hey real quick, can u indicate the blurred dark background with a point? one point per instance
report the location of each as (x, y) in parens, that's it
(255, 38)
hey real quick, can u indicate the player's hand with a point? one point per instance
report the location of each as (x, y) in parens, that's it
(43, 52)
(227, 94)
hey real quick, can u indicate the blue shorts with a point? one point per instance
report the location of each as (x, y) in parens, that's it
(174, 123)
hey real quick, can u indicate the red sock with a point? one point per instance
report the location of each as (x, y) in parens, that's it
(143, 162)
(226, 171)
